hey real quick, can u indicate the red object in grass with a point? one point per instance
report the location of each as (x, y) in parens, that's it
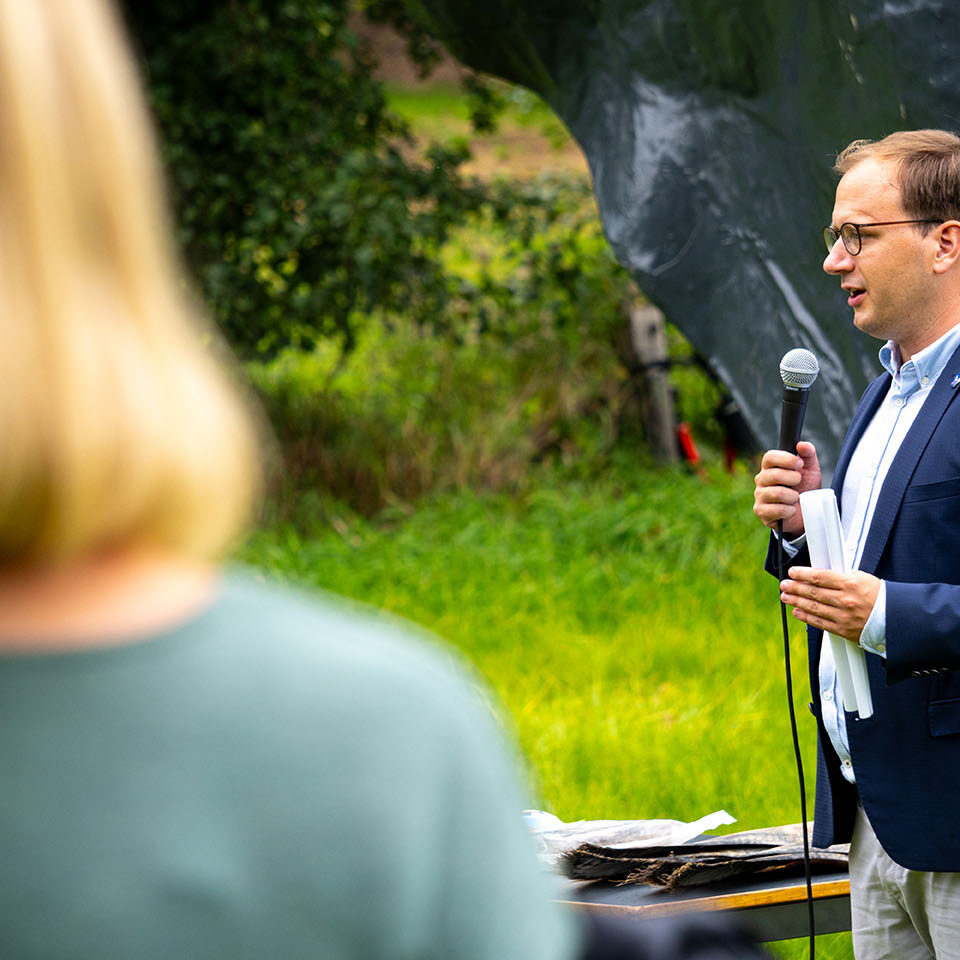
(687, 447)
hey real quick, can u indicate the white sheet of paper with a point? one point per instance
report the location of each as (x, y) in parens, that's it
(557, 838)
(821, 521)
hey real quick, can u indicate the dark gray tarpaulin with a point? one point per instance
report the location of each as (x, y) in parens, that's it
(711, 127)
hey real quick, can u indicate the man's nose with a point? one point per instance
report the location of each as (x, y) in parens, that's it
(838, 260)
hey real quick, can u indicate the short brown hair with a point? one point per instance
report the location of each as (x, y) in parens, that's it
(928, 169)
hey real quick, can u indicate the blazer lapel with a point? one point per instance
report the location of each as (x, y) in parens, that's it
(904, 464)
(872, 398)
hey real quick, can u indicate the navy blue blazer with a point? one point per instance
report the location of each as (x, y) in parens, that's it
(907, 755)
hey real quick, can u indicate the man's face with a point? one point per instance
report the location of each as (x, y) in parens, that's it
(889, 283)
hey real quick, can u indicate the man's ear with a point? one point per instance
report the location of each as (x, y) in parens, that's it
(948, 246)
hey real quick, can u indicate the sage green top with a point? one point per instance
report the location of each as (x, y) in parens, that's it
(281, 777)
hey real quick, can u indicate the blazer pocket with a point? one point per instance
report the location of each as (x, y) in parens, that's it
(944, 717)
(937, 490)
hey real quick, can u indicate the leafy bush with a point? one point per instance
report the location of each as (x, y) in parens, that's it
(296, 210)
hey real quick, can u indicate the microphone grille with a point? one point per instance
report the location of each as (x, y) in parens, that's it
(799, 368)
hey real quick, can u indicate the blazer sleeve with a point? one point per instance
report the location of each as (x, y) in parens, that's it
(802, 558)
(923, 629)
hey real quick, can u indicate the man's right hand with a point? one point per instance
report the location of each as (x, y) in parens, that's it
(782, 478)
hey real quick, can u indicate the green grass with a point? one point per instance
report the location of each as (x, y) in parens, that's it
(625, 625)
(439, 104)
(425, 103)
(439, 112)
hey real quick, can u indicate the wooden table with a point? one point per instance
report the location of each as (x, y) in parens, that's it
(771, 909)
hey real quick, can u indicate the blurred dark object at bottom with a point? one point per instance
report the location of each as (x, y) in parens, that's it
(702, 937)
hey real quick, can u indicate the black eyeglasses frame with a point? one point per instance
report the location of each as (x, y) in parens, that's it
(831, 235)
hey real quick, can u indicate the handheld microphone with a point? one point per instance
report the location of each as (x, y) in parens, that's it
(798, 370)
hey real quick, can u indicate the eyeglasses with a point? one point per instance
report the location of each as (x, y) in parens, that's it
(849, 233)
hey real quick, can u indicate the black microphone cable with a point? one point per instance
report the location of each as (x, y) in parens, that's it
(798, 370)
(781, 565)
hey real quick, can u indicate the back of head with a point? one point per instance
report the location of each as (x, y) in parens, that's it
(119, 425)
(928, 167)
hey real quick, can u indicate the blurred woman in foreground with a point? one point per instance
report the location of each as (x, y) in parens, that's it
(195, 764)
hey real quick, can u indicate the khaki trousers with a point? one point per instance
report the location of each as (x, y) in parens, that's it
(899, 914)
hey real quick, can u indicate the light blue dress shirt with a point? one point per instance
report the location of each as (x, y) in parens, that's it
(911, 385)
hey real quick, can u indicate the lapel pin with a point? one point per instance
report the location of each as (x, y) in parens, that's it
(955, 382)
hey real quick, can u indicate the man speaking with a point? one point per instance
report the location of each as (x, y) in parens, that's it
(890, 784)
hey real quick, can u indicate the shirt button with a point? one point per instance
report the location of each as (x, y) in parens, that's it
(898, 401)
(924, 380)
(847, 764)
(881, 648)
(828, 696)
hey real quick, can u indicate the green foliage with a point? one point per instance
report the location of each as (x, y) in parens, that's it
(624, 623)
(543, 261)
(296, 209)
(529, 370)
(697, 396)
(300, 206)
(486, 103)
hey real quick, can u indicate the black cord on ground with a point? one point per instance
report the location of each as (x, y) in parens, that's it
(796, 743)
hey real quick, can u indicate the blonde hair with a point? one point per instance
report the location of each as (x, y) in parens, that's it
(119, 427)
(928, 170)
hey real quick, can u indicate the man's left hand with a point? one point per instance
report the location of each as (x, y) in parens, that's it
(838, 602)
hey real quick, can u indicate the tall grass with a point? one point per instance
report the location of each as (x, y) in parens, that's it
(406, 413)
(624, 624)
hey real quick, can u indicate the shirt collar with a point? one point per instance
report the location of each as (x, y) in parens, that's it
(923, 368)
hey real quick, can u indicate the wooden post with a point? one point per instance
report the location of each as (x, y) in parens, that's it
(648, 334)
